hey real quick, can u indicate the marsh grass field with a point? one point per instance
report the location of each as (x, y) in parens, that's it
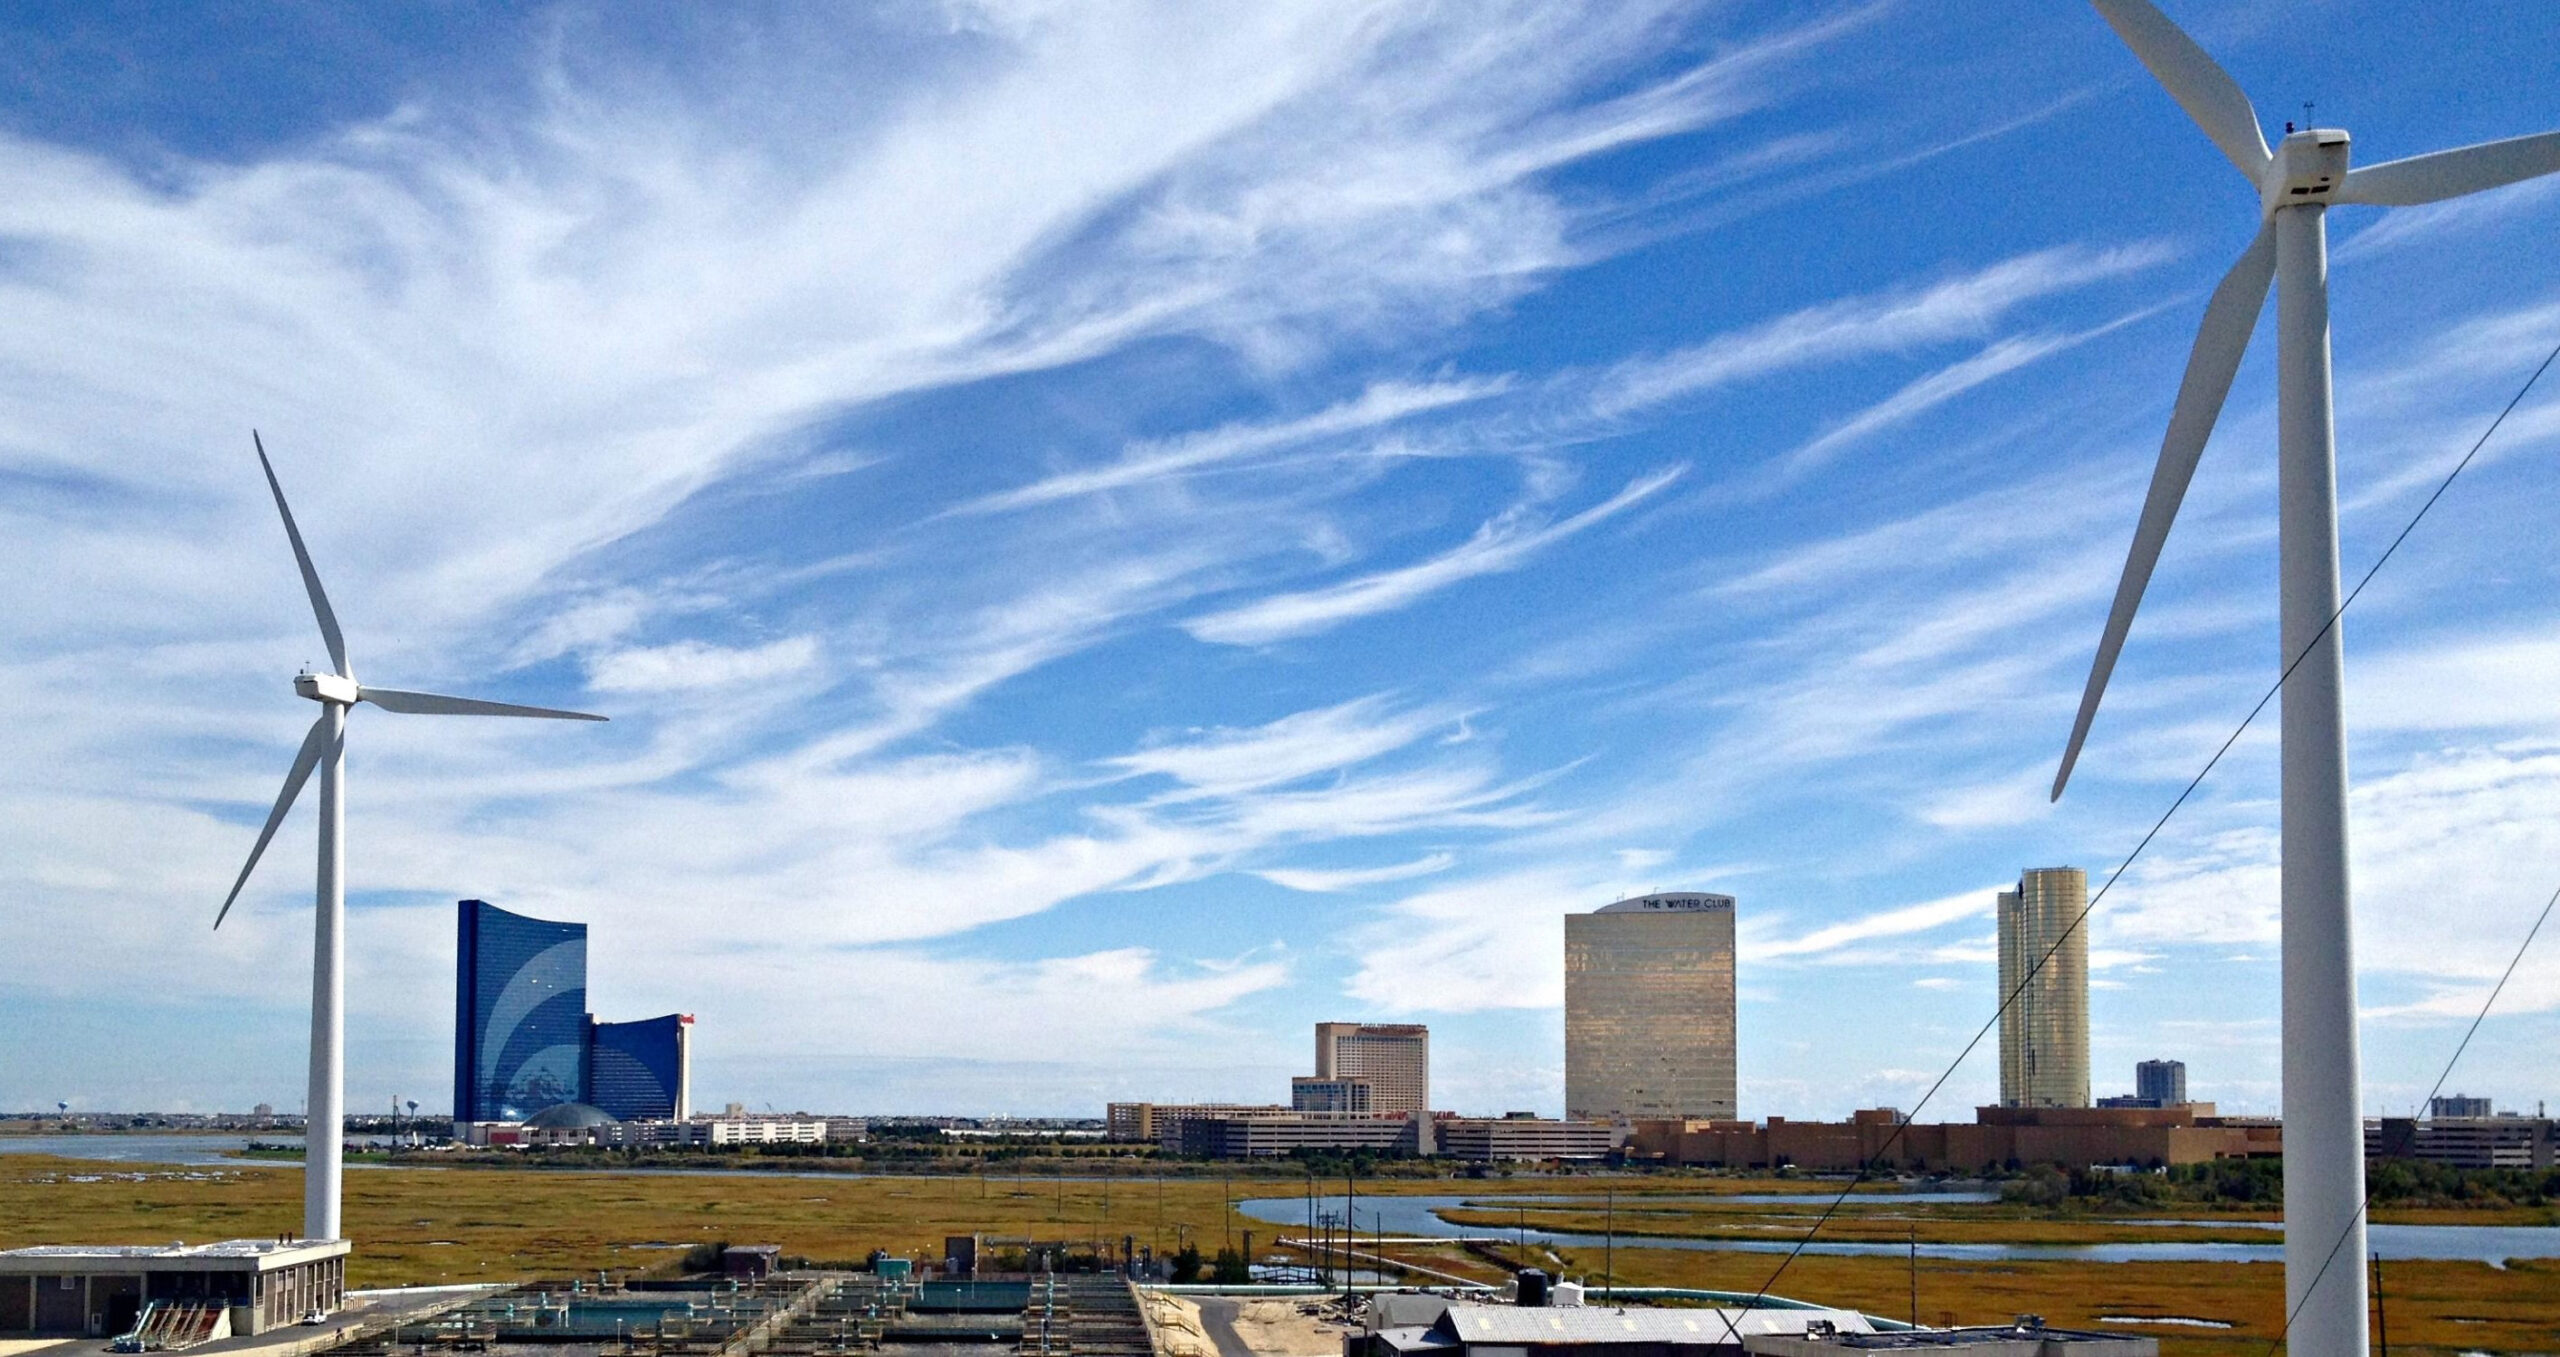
(424, 1225)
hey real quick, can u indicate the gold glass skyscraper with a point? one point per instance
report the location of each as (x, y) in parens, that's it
(2044, 1031)
(1648, 1008)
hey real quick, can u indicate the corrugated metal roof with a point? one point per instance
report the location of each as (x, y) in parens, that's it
(1512, 1324)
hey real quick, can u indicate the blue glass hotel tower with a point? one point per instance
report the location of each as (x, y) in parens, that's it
(637, 1071)
(520, 1015)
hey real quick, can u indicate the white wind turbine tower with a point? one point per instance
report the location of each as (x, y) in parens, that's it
(2324, 1241)
(325, 747)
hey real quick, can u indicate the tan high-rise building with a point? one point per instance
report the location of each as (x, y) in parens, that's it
(1393, 1058)
(1648, 1009)
(2044, 1030)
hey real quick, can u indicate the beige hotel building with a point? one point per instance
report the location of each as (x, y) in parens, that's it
(1649, 1009)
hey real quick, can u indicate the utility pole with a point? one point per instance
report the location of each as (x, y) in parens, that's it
(2381, 1317)
(1350, 1223)
(1915, 1276)
(1609, 1254)
(1309, 1239)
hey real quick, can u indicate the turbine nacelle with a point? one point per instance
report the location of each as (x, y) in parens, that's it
(2308, 168)
(328, 688)
(2305, 168)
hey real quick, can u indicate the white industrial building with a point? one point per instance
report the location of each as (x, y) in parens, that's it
(198, 1292)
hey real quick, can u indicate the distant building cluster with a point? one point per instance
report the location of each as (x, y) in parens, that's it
(1370, 1092)
(1997, 1138)
(567, 1124)
(2464, 1132)
(1651, 1056)
(1650, 1059)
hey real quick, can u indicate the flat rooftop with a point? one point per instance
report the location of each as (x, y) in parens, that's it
(226, 1254)
(1991, 1336)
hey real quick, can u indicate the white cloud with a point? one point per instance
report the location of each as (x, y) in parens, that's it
(686, 665)
(2016, 799)
(1226, 762)
(1891, 322)
(1920, 396)
(1968, 906)
(1381, 405)
(2452, 859)
(966, 1008)
(1504, 544)
(1486, 943)
(2505, 682)
(1320, 881)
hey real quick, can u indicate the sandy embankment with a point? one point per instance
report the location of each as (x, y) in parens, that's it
(1283, 1328)
(1177, 1327)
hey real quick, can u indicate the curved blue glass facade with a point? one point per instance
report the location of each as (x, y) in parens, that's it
(636, 1070)
(520, 1015)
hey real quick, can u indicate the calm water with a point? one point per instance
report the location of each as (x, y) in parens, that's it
(1421, 1216)
(191, 1151)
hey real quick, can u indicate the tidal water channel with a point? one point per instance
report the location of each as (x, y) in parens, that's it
(1421, 1215)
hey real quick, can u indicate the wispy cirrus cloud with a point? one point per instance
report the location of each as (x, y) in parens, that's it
(1327, 881)
(1503, 544)
(1890, 322)
(694, 664)
(1226, 762)
(1378, 407)
(1928, 916)
(875, 448)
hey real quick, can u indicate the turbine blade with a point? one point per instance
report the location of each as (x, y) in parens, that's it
(2202, 88)
(2220, 342)
(310, 578)
(436, 704)
(2450, 174)
(304, 761)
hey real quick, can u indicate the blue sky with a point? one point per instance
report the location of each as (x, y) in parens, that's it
(1111, 533)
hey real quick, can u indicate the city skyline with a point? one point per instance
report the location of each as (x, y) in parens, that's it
(1306, 527)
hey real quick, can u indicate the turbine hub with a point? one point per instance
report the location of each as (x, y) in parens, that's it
(327, 688)
(2308, 167)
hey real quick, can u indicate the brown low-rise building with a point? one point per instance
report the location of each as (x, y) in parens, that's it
(1998, 1138)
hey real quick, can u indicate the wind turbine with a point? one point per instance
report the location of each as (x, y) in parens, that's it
(2324, 1243)
(325, 747)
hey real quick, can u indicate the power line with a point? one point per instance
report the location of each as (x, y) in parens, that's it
(1868, 1165)
(2447, 1073)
